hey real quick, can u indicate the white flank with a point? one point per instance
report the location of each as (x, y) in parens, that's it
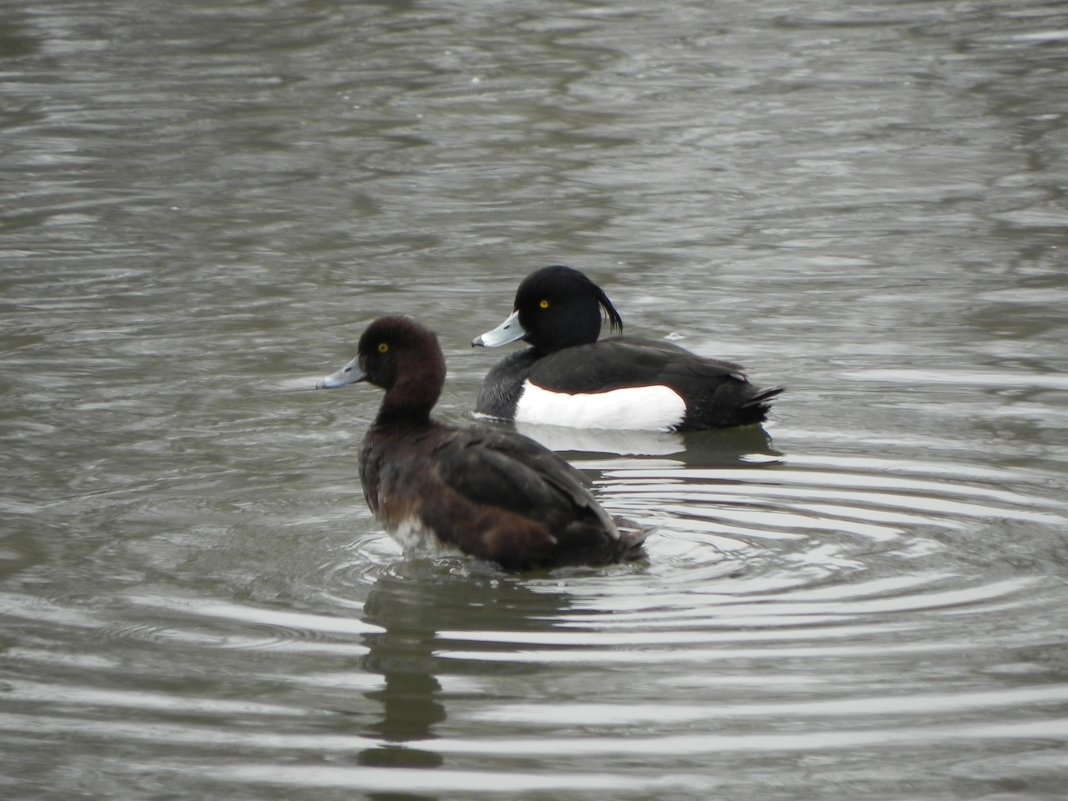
(655, 408)
(415, 538)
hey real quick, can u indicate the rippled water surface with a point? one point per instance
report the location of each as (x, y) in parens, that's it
(202, 204)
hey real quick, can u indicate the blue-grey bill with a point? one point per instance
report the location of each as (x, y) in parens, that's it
(508, 331)
(351, 373)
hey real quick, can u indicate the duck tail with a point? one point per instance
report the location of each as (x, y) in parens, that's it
(762, 398)
(632, 538)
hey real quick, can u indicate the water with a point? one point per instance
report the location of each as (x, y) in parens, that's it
(202, 206)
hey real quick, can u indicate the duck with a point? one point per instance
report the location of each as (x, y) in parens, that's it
(484, 491)
(570, 377)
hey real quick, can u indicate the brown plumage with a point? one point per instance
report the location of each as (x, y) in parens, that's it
(488, 492)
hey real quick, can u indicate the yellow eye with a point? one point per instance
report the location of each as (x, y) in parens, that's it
(543, 304)
(383, 347)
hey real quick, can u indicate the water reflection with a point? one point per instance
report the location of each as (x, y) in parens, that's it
(413, 601)
(410, 703)
(721, 446)
(16, 41)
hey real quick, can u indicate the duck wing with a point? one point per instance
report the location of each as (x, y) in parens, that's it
(525, 506)
(503, 468)
(615, 363)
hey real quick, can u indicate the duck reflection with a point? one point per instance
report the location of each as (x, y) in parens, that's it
(714, 448)
(412, 603)
(410, 699)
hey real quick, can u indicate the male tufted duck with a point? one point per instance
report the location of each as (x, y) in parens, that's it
(488, 492)
(568, 377)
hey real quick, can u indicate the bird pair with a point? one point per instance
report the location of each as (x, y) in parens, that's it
(493, 493)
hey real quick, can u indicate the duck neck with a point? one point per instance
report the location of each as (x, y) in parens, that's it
(391, 416)
(409, 401)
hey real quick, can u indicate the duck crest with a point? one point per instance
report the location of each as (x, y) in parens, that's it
(560, 307)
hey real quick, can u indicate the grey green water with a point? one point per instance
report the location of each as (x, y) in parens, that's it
(201, 206)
